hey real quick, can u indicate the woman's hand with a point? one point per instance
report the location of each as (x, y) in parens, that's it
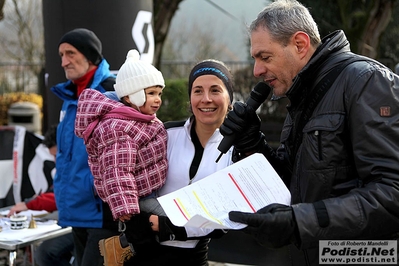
(168, 231)
(154, 222)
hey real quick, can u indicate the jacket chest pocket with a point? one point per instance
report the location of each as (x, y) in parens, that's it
(325, 139)
(325, 162)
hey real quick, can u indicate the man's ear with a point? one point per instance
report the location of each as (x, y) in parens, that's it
(301, 41)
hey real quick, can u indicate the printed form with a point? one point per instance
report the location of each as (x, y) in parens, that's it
(246, 186)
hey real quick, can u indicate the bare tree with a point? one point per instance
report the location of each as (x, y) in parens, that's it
(193, 42)
(24, 27)
(364, 22)
(389, 48)
(1, 9)
(164, 11)
(22, 24)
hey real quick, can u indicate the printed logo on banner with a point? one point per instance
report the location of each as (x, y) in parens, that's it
(143, 36)
(377, 252)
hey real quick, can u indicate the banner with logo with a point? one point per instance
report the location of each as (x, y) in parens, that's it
(33, 165)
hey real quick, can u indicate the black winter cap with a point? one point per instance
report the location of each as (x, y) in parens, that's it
(86, 42)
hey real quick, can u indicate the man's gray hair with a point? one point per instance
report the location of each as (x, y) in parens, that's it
(283, 18)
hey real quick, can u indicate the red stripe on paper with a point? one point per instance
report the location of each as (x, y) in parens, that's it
(178, 206)
(242, 193)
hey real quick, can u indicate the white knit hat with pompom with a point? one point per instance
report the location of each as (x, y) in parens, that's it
(134, 76)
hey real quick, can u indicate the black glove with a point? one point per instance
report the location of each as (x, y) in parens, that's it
(138, 230)
(169, 231)
(245, 124)
(273, 226)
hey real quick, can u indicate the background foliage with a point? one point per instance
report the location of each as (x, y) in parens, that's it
(371, 26)
(7, 99)
(174, 101)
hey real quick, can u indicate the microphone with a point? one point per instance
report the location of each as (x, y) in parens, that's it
(257, 96)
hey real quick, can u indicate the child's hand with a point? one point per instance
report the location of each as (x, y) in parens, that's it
(125, 218)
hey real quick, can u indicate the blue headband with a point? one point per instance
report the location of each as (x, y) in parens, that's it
(207, 69)
(212, 67)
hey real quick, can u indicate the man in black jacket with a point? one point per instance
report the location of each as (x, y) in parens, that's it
(339, 145)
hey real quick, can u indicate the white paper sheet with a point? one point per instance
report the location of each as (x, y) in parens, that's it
(246, 186)
(27, 213)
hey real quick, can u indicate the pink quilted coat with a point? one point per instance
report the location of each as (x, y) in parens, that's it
(127, 150)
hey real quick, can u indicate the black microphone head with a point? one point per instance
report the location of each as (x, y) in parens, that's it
(258, 95)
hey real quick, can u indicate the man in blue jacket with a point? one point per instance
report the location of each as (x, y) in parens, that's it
(77, 202)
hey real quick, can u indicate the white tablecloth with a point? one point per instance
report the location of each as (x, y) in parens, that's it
(27, 234)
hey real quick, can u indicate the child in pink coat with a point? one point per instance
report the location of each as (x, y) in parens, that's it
(126, 144)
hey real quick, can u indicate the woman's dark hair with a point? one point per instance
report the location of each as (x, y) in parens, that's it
(50, 138)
